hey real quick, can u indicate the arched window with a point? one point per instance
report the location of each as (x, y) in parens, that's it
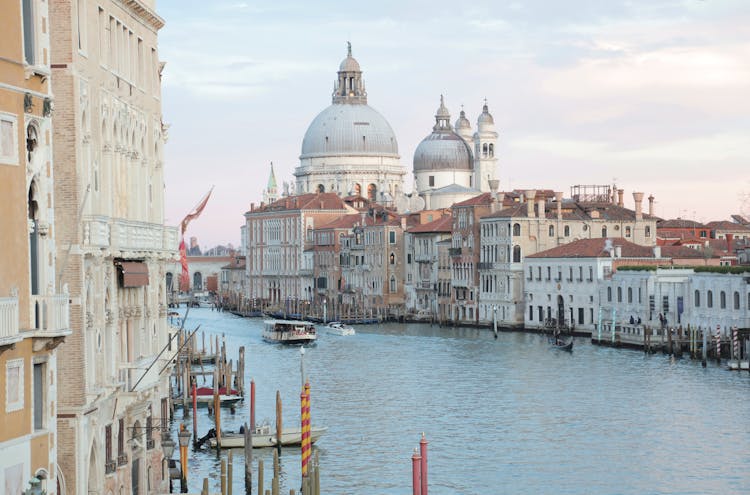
(357, 190)
(609, 294)
(169, 281)
(697, 298)
(736, 300)
(32, 141)
(392, 284)
(372, 192)
(321, 188)
(392, 259)
(566, 231)
(604, 231)
(492, 150)
(710, 299)
(648, 231)
(723, 300)
(516, 254)
(516, 229)
(619, 294)
(197, 281)
(630, 294)
(627, 231)
(485, 150)
(552, 231)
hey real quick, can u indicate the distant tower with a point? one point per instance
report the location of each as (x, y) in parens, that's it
(271, 193)
(485, 142)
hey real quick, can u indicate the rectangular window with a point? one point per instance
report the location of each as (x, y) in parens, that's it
(39, 396)
(431, 180)
(14, 385)
(8, 146)
(121, 437)
(27, 13)
(392, 237)
(108, 446)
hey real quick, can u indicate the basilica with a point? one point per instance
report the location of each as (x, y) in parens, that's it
(350, 149)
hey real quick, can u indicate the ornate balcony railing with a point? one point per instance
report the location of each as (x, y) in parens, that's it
(9, 328)
(485, 265)
(101, 231)
(454, 251)
(50, 313)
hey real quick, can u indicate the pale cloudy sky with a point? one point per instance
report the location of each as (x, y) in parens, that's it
(654, 95)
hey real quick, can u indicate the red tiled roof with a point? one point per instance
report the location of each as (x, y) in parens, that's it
(442, 224)
(727, 225)
(308, 201)
(342, 222)
(594, 248)
(678, 252)
(482, 199)
(679, 223)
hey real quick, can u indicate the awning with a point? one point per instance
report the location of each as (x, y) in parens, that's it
(133, 273)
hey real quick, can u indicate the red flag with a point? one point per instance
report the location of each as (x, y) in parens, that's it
(185, 277)
(195, 213)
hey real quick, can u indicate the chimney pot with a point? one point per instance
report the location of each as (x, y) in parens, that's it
(651, 205)
(638, 198)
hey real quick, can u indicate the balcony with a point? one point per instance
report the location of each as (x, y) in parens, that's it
(424, 258)
(454, 251)
(425, 284)
(485, 265)
(104, 232)
(9, 328)
(51, 314)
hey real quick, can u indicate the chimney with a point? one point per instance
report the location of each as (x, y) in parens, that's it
(730, 244)
(651, 205)
(657, 251)
(540, 207)
(500, 198)
(558, 200)
(403, 223)
(620, 202)
(494, 185)
(530, 195)
(638, 198)
(252, 206)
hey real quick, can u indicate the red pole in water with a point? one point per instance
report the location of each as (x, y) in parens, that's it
(195, 413)
(252, 405)
(416, 473)
(423, 465)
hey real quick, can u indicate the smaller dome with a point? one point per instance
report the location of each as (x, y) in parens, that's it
(349, 64)
(485, 118)
(442, 111)
(462, 122)
(443, 150)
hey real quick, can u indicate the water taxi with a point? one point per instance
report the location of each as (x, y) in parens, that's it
(289, 332)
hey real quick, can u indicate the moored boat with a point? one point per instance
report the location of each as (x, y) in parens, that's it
(289, 332)
(558, 343)
(263, 436)
(338, 328)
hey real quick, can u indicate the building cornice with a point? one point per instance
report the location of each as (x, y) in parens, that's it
(143, 12)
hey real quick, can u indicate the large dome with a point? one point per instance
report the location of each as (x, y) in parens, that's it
(443, 150)
(349, 129)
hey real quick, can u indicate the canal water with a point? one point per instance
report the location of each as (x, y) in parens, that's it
(501, 416)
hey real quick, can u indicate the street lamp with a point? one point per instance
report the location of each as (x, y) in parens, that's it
(184, 439)
(167, 446)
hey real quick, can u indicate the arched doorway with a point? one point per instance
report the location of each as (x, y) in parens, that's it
(94, 479)
(135, 465)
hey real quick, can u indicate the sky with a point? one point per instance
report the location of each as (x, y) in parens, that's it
(651, 95)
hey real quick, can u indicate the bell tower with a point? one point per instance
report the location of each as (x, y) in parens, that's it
(485, 142)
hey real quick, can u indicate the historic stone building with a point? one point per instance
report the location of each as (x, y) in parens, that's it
(451, 164)
(112, 245)
(33, 304)
(349, 148)
(422, 265)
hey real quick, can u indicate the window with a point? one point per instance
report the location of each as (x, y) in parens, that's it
(697, 299)
(648, 231)
(392, 237)
(108, 460)
(431, 181)
(14, 385)
(392, 284)
(710, 299)
(566, 231)
(552, 231)
(121, 439)
(619, 294)
(723, 300)
(392, 259)
(630, 294)
(609, 294)
(39, 396)
(531, 313)
(627, 231)
(8, 146)
(516, 254)
(604, 231)
(549, 272)
(29, 46)
(516, 229)
(736, 300)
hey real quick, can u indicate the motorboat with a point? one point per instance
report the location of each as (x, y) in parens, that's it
(338, 328)
(289, 332)
(205, 396)
(263, 436)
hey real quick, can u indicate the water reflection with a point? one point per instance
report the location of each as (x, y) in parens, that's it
(502, 416)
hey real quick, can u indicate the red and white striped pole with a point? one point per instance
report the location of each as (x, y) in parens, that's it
(423, 464)
(416, 473)
(735, 344)
(718, 343)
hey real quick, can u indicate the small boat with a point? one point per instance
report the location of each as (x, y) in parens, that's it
(558, 343)
(205, 396)
(263, 436)
(289, 332)
(338, 328)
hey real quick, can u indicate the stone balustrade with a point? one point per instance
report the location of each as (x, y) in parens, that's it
(50, 313)
(117, 233)
(9, 328)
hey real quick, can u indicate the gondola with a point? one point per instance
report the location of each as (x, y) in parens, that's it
(558, 343)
